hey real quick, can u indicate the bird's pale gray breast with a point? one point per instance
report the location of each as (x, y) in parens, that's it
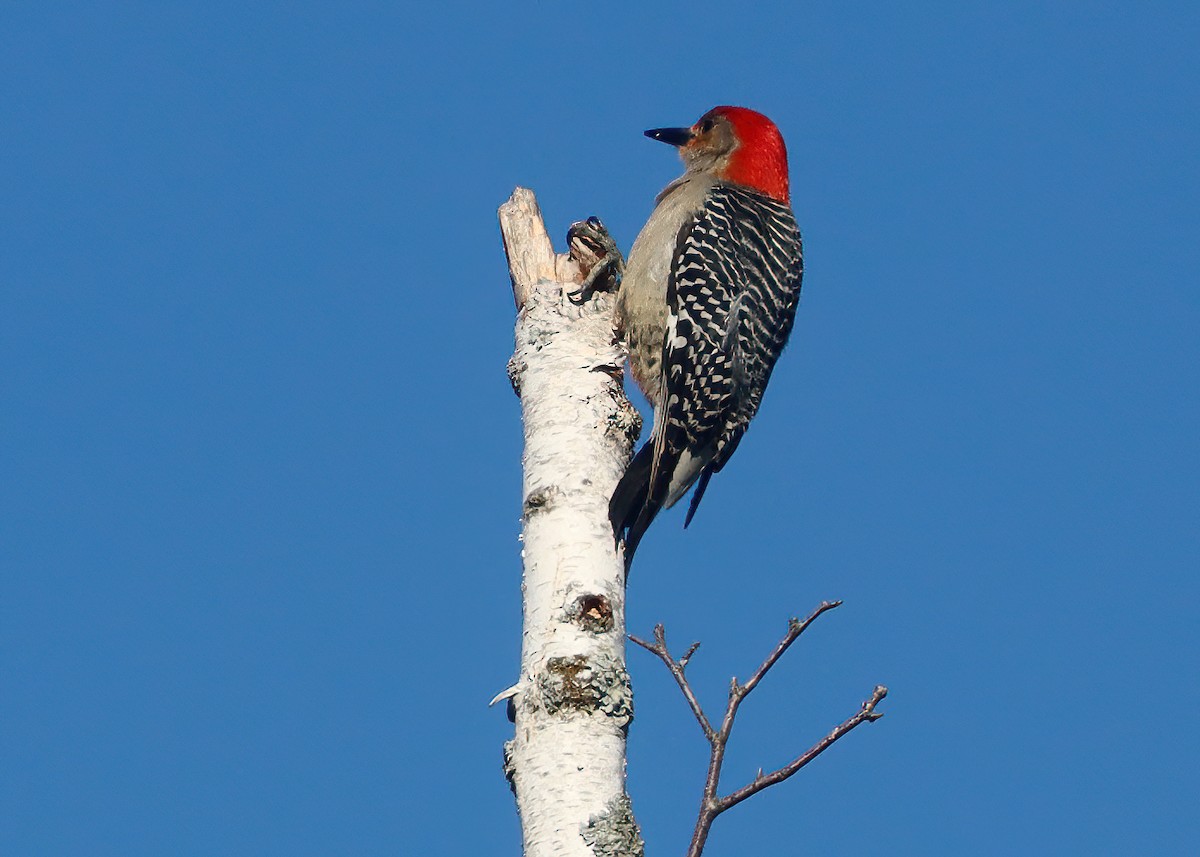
(641, 304)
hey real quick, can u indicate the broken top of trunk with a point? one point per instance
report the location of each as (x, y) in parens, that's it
(531, 256)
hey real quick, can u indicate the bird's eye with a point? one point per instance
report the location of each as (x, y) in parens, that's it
(706, 126)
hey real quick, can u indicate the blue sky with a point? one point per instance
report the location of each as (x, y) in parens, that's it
(261, 461)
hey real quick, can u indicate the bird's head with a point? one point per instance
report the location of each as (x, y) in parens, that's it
(735, 144)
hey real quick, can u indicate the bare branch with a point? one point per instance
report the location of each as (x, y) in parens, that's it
(867, 714)
(795, 629)
(659, 647)
(710, 804)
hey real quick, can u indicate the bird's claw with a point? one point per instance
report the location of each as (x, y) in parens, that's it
(597, 254)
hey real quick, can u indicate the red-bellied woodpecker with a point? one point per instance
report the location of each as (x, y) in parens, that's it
(705, 307)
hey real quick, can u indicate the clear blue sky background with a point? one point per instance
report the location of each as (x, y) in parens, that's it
(260, 487)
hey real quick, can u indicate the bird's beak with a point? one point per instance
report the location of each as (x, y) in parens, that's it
(674, 136)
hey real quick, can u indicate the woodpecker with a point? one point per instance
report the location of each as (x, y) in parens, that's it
(705, 307)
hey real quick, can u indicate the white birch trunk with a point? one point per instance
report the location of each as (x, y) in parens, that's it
(573, 702)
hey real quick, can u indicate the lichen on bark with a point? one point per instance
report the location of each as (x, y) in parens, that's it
(615, 832)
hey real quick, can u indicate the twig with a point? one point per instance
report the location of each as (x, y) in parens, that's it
(711, 805)
(659, 647)
(866, 714)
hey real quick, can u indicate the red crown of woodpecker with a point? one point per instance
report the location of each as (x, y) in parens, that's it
(760, 159)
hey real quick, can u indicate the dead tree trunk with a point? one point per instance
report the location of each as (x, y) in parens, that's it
(572, 704)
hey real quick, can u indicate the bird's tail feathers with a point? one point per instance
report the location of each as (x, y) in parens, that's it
(705, 475)
(630, 494)
(629, 498)
(657, 477)
(712, 464)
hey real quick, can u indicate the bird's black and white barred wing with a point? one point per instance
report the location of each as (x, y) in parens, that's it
(731, 297)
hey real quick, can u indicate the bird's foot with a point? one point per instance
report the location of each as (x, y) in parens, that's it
(597, 255)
